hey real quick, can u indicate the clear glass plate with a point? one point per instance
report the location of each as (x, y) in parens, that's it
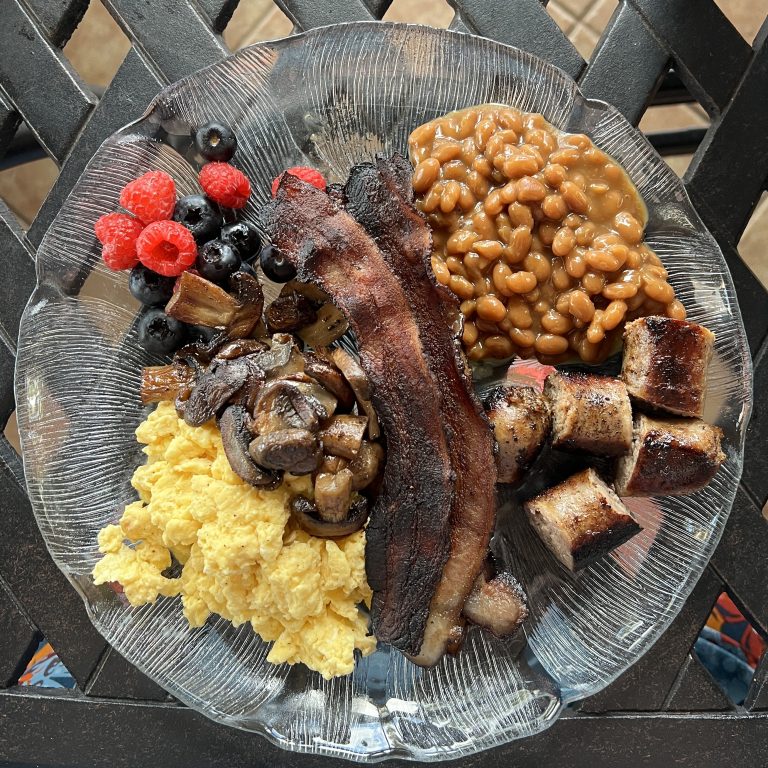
(331, 98)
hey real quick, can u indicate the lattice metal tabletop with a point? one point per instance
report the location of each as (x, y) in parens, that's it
(652, 51)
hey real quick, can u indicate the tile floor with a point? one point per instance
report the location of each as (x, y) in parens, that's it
(98, 47)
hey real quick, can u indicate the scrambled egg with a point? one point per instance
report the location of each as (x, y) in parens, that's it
(242, 556)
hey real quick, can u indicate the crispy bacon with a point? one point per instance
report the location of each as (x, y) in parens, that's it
(379, 197)
(407, 541)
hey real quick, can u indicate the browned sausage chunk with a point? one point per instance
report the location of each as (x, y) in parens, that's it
(589, 413)
(670, 457)
(581, 519)
(521, 421)
(665, 364)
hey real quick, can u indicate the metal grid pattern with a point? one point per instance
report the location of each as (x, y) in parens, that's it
(652, 51)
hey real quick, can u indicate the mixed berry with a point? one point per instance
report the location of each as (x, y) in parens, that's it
(159, 235)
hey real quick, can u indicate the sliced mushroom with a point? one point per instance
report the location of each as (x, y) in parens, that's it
(201, 302)
(329, 326)
(281, 405)
(255, 379)
(236, 437)
(290, 311)
(343, 435)
(366, 465)
(357, 379)
(165, 382)
(320, 366)
(213, 389)
(295, 450)
(282, 358)
(307, 516)
(250, 299)
(240, 348)
(332, 464)
(333, 494)
(318, 395)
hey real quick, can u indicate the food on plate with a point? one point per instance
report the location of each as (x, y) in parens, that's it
(589, 413)
(497, 602)
(241, 553)
(521, 422)
(669, 457)
(665, 364)
(538, 232)
(430, 526)
(581, 519)
(328, 449)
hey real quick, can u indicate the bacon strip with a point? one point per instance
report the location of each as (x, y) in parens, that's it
(380, 198)
(407, 541)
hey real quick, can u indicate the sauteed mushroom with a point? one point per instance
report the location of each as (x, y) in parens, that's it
(235, 437)
(294, 450)
(306, 514)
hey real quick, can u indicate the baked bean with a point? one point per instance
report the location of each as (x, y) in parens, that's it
(482, 165)
(489, 249)
(426, 174)
(520, 215)
(560, 278)
(466, 199)
(470, 334)
(574, 197)
(520, 165)
(519, 245)
(483, 131)
(554, 174)
(468, 307)
(491, 309)
(446, 150)
(675, 310)
(547, 233)
(461, 287)
(499, 275)
(478, 184)
(456, 266)
(575, 264)
(593, 283)
(509, 193)
(442, 273)
(553, 322)
(603, 260)
(499, 347)
(521, 337)
(454, 169)
(493, 204)
(450, 196)
(564, 241)
(581, 306)
(658, 290)
(530, 190)
(504, 191)
(628, 227)
(461, 241)
(521, 282)
(539, 265)
(549, 344)
(619, 290)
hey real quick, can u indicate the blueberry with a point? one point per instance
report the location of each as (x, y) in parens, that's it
(216, 141)
(243, 237)
(199, 215)
(160, 333)
(247, 268)
(149, 287)
(216, 261)
(275, 266)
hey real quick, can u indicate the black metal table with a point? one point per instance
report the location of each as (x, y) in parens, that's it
(666, 708)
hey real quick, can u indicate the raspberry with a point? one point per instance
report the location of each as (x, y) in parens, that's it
(225, 184)
(310, 175)
(151, 197)
(118, 232)
(166, 247)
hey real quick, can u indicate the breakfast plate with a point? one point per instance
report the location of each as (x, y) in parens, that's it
(331, 98)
